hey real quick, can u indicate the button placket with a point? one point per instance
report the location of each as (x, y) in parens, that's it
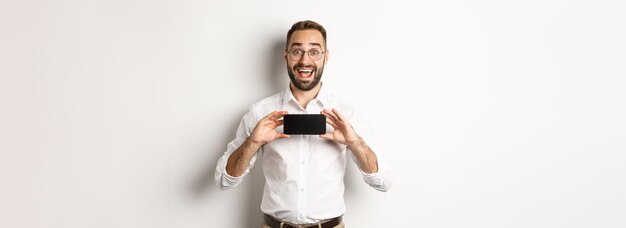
(301, 180)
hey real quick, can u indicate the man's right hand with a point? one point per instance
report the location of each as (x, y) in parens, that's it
(265, 130)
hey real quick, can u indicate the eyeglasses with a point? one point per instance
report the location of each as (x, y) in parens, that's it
(315, 54)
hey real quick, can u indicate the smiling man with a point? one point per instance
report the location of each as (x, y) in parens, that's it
(304, 174)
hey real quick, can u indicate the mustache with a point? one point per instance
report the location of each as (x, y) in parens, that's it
(299, 65)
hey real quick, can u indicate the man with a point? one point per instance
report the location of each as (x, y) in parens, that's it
(304, 174)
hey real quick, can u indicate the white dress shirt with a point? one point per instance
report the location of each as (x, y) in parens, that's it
(304, 174)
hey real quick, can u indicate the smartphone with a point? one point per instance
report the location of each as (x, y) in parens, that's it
(304, 124)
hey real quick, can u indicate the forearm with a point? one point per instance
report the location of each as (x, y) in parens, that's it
(365, 157)
(239, 160)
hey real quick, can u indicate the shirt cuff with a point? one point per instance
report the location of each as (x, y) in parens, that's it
(228, 180)
(373, 179)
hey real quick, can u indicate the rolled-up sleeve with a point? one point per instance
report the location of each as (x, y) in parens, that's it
(222, 179)
(382, 179)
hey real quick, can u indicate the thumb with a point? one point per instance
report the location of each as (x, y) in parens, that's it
(282, 136)
(327, 136)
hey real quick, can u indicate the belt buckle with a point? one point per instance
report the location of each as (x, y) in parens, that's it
(318, 225)
(283, 225)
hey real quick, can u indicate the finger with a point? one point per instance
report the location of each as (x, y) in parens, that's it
(328, 115)
(330, 121)
(327, 136)
(270, 115)
(332, 124)
(279, 114)
(334, 117)
(282, 113)
(282, 136)
(338, 114)
(279, 122)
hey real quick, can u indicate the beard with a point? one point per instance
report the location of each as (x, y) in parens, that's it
(302, 85)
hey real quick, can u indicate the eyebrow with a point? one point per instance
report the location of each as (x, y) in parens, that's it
(300, 44)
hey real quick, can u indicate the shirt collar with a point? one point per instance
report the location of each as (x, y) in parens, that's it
(322, 95)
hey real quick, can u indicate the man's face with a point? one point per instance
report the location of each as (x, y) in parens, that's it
(305, 73)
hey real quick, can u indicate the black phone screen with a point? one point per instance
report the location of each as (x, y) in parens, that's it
(304, 124)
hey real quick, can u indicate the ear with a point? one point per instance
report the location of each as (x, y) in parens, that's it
(326, 57)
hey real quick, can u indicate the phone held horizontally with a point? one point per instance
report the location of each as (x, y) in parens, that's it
(304, 124)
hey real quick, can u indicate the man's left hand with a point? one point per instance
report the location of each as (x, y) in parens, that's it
(343, 132)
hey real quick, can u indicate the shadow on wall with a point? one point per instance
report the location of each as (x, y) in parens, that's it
(277, 77)
(203, 183)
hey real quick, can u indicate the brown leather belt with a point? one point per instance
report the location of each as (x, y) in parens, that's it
(272, 222)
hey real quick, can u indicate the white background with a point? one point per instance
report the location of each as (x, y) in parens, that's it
(493, 113)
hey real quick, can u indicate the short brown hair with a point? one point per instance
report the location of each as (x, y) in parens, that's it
(304, 25)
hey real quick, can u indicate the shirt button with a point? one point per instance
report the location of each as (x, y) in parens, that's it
(303, 162)
(302, 189)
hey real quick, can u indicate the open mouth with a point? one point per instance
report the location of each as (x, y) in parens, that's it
(305, 73)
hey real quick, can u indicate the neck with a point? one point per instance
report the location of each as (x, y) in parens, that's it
(304, 97)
